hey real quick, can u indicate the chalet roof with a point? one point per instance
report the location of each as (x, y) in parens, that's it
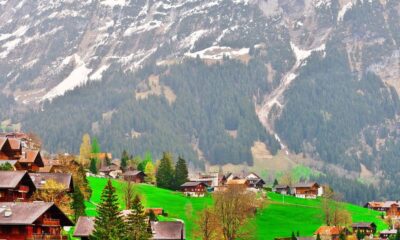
(237, 182)
(260, 181)
(391, 231)
(39, 179)
(10, 179)
(3, 140)
(328, 230)
(250, 173)
(193, 184)
(132, 173)
(363, 225)
(109, 168)
(15, 143)
(31, 156)
(305, 184)
(281, 186)
(168, 230)
(386, 204)
(26, 213)
(84, 227)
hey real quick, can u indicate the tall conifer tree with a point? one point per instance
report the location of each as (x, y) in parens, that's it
(165, 172)
(181, 173)
(109, 223)
(137, 228)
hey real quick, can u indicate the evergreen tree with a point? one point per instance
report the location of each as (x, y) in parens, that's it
(147, 158)
(93, 165)
(152, 216)
(78, 203)
(298, 233)
(275, 183)
(397, 236)
(181, 172)
(293, 236)
(165, 172)
(124, 159)
(136, 222)
(95, 146)
(108, 223)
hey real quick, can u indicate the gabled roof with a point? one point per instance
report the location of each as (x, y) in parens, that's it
(3, 141)
(15, 143)
(84, 227)
(10, 179)
(32, 156)
(281, 186)
(305, 184)
(193, 184)
(168, 230)
(363, 225)
(26, 213)
(39, 179)
(133, 173)
(248, 174)
(109, 168)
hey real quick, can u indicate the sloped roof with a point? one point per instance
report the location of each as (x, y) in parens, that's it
(305, 184)
(84, 227)
(39, 179)
(26, 213)
(363, 225)
(173, 230)
(31, 156)
(193, 184)
(15, 143)
(10, 179)
(3, 140)
(281, 186)
(133, 173)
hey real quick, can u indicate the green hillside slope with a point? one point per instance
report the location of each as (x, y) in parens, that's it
(280, 217)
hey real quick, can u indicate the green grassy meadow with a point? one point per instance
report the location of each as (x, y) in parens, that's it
(280, 216)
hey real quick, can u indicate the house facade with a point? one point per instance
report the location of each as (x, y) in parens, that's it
(134, 176)
(194, 189)
(31, 161)
(367, 228)
(15, 186)
(307, 190)
(35, 220)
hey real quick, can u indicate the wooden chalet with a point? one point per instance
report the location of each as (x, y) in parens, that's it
(65, 179)
(282, 189)
(367, 228)
(255, 181)
(307, 190)
(84, 227)
(238, 182)
(331, 232)
(15, 186)
(173, 230)
(134, 176)
(391, 208)
(34, 220)
(106, 170)
(31, 161)
(194, 189)
(16, 147)
(6, 152)
(386, 234)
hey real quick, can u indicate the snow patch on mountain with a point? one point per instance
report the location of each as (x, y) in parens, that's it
(217, 53)
(343, 11)
(301, 54)
(78, 77)
(113, 3)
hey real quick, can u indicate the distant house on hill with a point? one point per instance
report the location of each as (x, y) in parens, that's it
(282, 189)
(31, 161)
(156, 211)
(112, 171)
(194, 189)
(84, 227)
(391, 208)
(174, 230)
(331, 232)
(366, 228)
(307, 190)
(40, 179)
(238, 182)
(15, 186)
(34, 220)
(134, 176)
(386, 234)
(255, 181)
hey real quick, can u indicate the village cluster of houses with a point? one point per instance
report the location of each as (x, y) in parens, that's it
(21, 217)
(198, 186)
(309, 190)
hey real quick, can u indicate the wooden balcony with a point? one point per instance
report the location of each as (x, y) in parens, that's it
(51, 222)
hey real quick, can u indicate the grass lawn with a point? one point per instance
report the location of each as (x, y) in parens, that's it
(279, 218)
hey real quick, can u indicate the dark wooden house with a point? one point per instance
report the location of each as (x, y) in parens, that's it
(35, 220)
(15, 186)
(367, 228)
(194, 189)
(255, 181)
(31, 161)
(282, 189)
(134, 176)
(306, 190)
(6, 152)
